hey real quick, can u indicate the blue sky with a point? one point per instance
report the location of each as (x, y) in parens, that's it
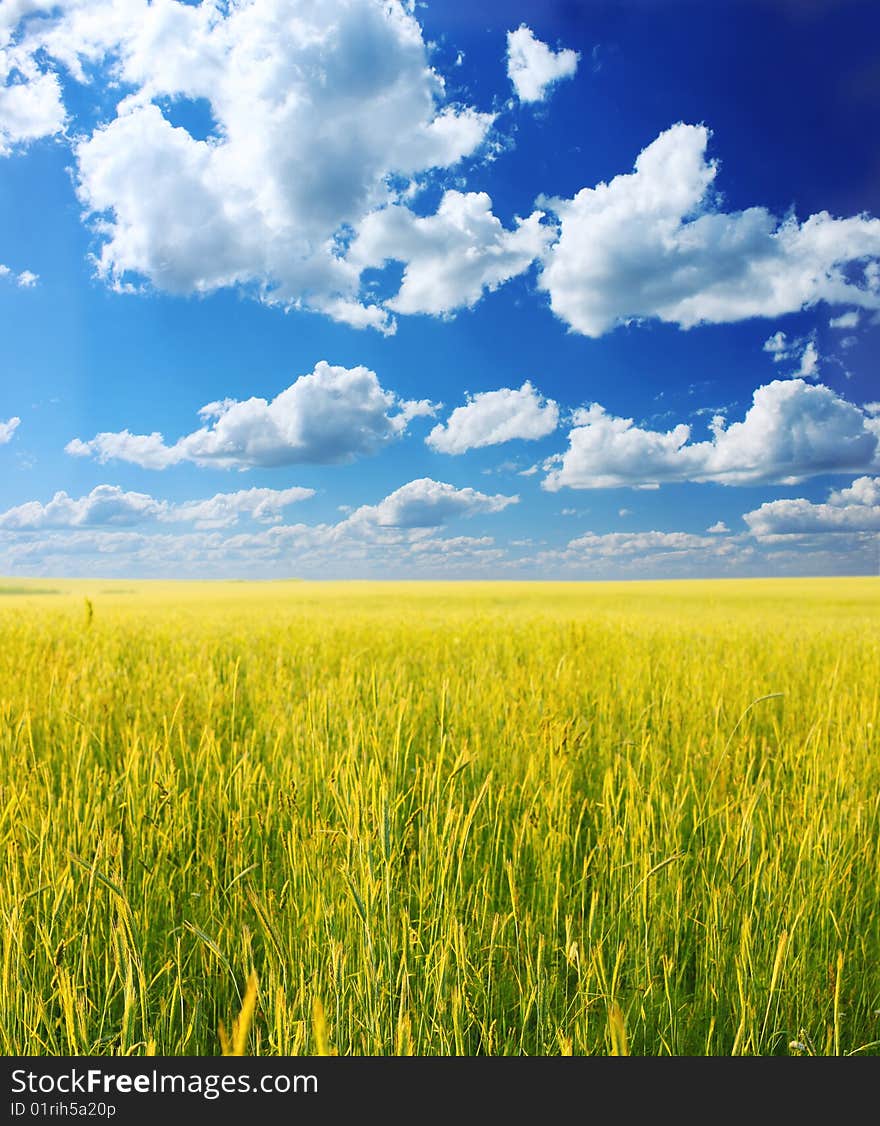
(488, 290)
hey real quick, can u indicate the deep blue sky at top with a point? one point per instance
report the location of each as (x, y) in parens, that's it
(791, 94)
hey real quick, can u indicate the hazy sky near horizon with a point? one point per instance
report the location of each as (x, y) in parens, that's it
(367, 288)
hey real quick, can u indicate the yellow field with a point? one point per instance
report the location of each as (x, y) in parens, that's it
(457, 818)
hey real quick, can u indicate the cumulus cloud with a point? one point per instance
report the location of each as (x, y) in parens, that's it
(321, 552)
(24, 279)
(452, 257)
(446, 549)
(653, 244)
(864, 491)
(146, 450)
(334, 414)
(533, 67)
(30, 105)
(656, 554)
(492, 417)
(8, 428)
(426, 503)
(111, 505)
(398, 535)
(793, 430)
(319, 123)
(854, 509)
(318, 114)
(106, 504)
(845, 320)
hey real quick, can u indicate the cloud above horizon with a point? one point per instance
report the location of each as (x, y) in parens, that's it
(793, 430)
(402, 528)
(109, 505)
(280, 148)
(425, 503)
(654, 244)
(114, 531)
(853, 509)
(330, 416)
(318, 114)
(492, 417)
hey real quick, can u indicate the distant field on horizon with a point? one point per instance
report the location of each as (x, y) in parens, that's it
(440, 818)
(863, 589)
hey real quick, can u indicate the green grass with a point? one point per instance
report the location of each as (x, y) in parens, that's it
(464, 818)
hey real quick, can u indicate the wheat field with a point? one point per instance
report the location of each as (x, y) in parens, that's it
(441, 819)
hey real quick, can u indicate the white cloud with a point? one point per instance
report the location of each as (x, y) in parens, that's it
(322, 119)
(320, 113)
(398, 536)
(533, 67)
(653, 244)
(331, 415)
(224, 509)
(864, 490)
(855, 509)
(778, 347)
(106, 504)
(280, 552)
(146, 450)
(111, 505)
(492, 417)
(615, 544)
(718, 528)
(792, 430)
(845, 320)
(452, 257)
(401, 537)
(25, 279)
(355, 314)
(325, 119)
(649, 554)
(30, 105)
(809, 362)
(425, 503)
(8, 428)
